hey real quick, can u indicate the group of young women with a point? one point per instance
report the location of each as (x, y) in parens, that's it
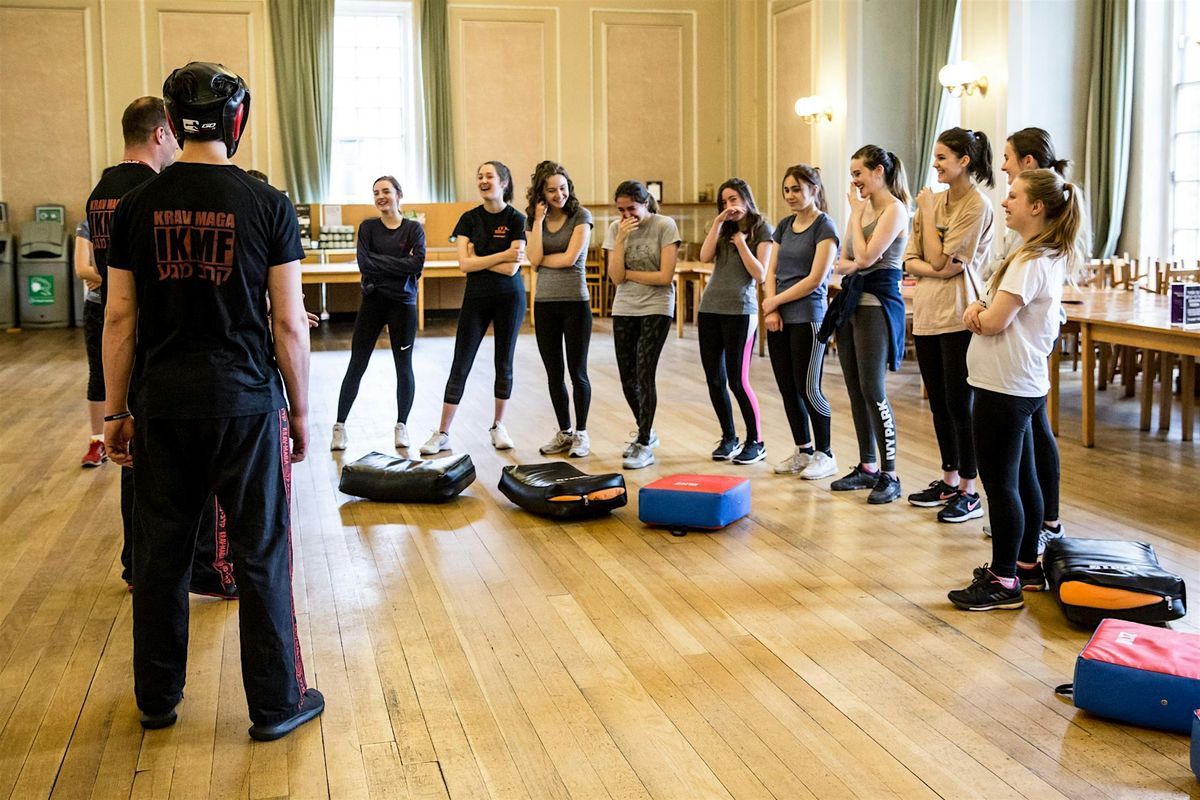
(982, 329)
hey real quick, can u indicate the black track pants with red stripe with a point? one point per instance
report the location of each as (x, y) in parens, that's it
(244, 461)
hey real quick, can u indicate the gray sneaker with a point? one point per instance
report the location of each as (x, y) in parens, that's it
(640, 456)
(561, 443)
(629, 445)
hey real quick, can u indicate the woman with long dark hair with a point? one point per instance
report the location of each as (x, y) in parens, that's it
(642, 246)
(491, 245)
(391, 255)
(559, 232)
(868, 315)
(952, 231)
(794, 303)
(739, 246)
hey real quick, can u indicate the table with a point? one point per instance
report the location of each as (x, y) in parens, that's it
(347, 272)
(1135, 319)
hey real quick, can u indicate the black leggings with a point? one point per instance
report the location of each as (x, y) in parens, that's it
(863, 353)
(943, 362)
(93, 338)
(798, 359)
(638, 342)
(1045, 455)
(726, 347)
(566, 322)
(374, 312)
(505, 311)
(1003, 431)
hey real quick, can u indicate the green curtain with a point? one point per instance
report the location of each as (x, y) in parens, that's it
(1109, 121)
(435, 77)
(935, 31)
(302, 38)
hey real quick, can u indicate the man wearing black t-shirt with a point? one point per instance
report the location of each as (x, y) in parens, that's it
(149, 148)
(195, 254)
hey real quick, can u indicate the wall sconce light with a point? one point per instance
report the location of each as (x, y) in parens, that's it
(811, 109)
(963, 77)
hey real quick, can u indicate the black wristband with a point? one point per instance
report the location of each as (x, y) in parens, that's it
(115, 417)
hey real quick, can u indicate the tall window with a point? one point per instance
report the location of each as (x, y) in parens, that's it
(375, 118)
(1185, 161)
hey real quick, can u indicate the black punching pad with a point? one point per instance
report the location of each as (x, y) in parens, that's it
(559, 490)
(392, 479)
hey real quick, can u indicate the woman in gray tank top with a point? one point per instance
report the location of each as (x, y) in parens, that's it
(874, 242)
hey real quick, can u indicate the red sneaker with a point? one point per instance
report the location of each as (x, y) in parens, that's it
(95, 455)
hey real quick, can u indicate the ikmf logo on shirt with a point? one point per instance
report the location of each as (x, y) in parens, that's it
(194, 244)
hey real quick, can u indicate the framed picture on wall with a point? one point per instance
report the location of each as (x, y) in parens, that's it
(50, 213)
(3, 217)
(655, 189)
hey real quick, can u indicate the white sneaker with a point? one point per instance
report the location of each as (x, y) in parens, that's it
(339, 437)
(1045, 535)
(500, 438)
(438, 441)
(819, 466)
(580, 446)
(561, 443)
(401, 435)
(793, 464)
(641, 456)
(634, 434)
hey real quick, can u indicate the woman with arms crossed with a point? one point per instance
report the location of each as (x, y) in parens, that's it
(1014, 328)
(391, 256)
(491, 245)
(559, 232)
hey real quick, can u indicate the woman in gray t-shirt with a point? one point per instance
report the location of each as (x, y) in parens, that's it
(642, 247)
(738, 245)
(794, 304)
(556, 246)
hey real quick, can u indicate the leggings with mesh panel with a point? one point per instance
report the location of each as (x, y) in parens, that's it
(505, 311)
(638, 342)
(569, 323)
(798, 359)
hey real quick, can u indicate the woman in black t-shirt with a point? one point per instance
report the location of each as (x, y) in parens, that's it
(391, 255)
(491, 246)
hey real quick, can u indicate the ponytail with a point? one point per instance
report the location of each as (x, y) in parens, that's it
(1036, 143)
(894, 176)
(505, 177)
(1065, 231)
(636, 192)
(975, 146)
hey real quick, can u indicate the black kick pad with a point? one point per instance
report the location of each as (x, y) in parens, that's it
(559, 490)
(393, 479)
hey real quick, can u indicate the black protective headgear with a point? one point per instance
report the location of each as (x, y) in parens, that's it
(206, 101)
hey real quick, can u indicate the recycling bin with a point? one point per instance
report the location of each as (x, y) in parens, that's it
(44, 279)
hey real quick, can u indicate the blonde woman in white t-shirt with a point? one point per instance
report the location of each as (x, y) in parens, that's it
(1014, 328)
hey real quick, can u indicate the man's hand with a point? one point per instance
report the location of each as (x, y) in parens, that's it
(118, 435)
(298, 432)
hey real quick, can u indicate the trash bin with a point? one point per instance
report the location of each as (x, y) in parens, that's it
(8, 283)
(44, 280)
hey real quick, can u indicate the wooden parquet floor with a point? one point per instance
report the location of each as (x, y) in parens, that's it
(471, 650)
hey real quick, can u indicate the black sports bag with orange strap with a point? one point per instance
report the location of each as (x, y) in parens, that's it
(1096, 579)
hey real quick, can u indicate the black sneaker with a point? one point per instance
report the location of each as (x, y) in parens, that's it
(886, 490)
(725, 449)
(751, 453)
(1033, 579)
(938, 494)
(311, 707)
(961, 508)
(986, 593)
(858, 478)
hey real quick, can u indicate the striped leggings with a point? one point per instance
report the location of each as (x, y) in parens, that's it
(726, 346)
(798, 359)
